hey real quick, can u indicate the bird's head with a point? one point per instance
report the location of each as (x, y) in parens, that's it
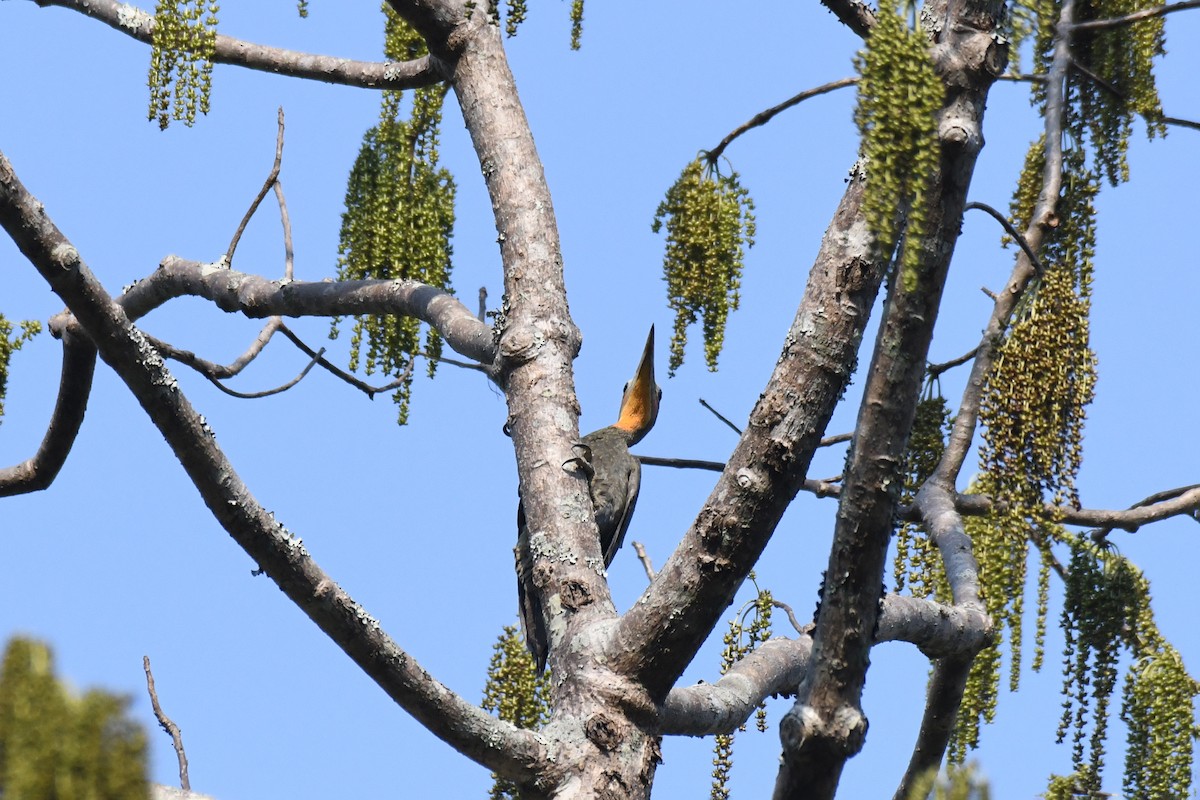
(639, 405)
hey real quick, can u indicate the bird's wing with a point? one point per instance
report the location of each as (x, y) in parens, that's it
(528, 604)
(634, 478)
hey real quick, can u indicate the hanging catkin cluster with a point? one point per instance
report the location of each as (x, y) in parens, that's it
(749, 628)
(1122, 58)
(515, 693)
(918, 564)
(709, 218)
(185, 34)
(10, 344)
(899, 135)
(399, 219)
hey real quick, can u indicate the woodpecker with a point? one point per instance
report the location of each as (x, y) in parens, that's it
(614, 477)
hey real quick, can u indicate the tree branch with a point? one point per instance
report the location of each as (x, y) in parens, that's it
(74, 388)
(1011, 231)
(136, 23)
(268, 184)
(167, 725)
(1137, 16)
(943, 697)
(780, 664)
(854, 14)
(509, 751)
(763, 117)
(658, 636)
(256, 296)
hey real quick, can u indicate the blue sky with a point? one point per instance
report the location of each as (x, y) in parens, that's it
(120, 558)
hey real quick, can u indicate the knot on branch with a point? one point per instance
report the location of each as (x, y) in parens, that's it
(520, 344)
(805, 728)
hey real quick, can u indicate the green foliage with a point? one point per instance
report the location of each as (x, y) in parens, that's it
(302, 8)
(399, 219)
(1072, 787)
(185, 35)
(959, 783)
(899, 135)
(709, 219)
(1033, 408)
(55, 746)
(10, 344)
(576, 23)
(918, 563)
(1114, 79)
(1157, 708)
(1104, 610)
(515, 693)
(749, 628)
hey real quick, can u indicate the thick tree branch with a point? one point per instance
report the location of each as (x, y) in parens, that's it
(658, 637)
(943, 697)
(259, 297)
(780, 664)
(854, 14)
(501, 747)
(74, 387)
(136, 23)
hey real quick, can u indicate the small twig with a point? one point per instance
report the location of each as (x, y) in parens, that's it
(1012, 231)
(167, 725)
(1147, 13)
(209, 369)
(803, 630)
(763, 117)
(1100, 534)
(645, 559)
(935, 370)
(261, 194)
(719, 416)
(837, 438)
(288, 252)
(483, 304)
(268, 392)
(366, 388)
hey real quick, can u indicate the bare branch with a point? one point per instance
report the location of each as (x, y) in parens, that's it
(780, 664)
(74, 387)
(167, 725)
(935, 370)
(508, 750)
(255, 296)
(763, 117)
(136, 23)
(855, 15)
(1137, 16)
(943, 697)
(277, 389)
(721, 417)
(645, 559)
(483, 304)
(1011, 231)
(211, 369)
(657, 637)
(272, 176)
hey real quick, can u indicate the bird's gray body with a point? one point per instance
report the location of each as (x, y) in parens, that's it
(614, 479)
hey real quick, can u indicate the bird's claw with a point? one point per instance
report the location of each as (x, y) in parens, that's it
(583, 461)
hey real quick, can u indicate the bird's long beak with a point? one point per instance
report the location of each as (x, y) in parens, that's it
(639, 406)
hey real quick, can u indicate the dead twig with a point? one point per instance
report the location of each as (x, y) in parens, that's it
(645, 559)
(167, 725)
